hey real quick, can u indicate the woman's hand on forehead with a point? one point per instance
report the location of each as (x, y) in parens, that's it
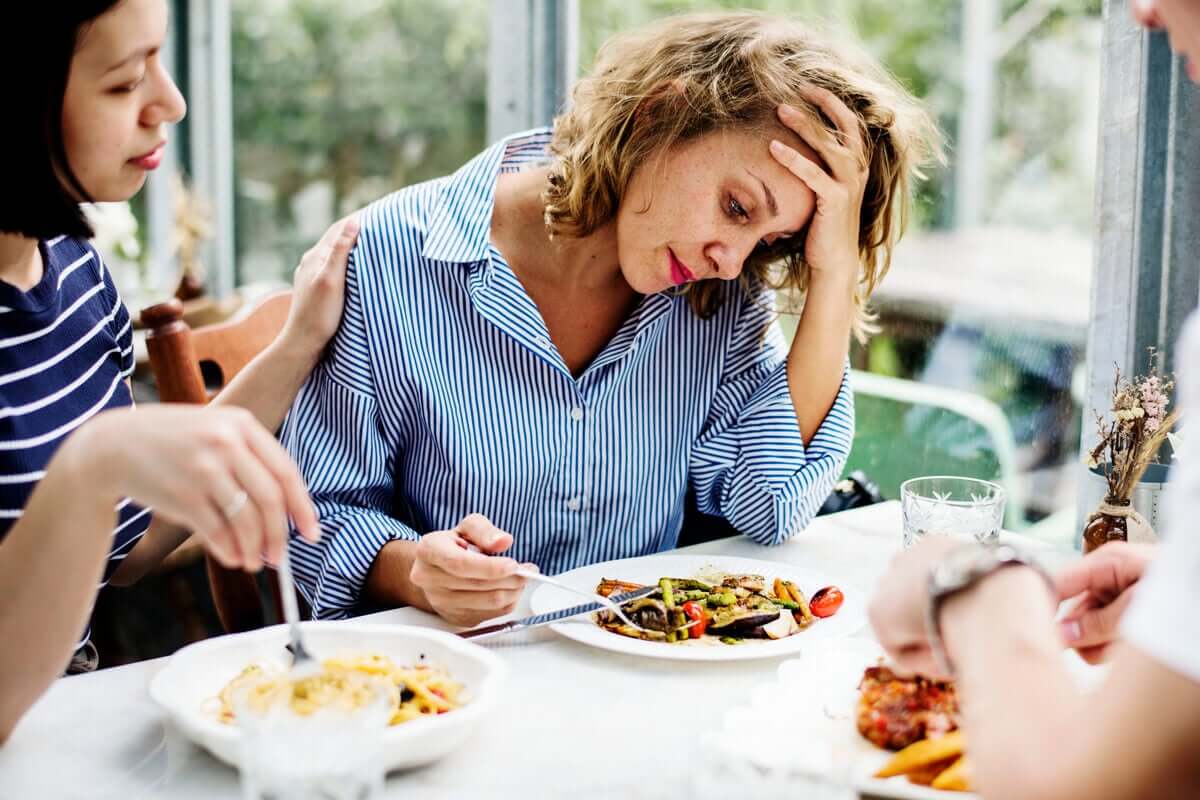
(832, 244)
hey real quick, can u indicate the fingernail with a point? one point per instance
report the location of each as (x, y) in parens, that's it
(532, 568)
(777, 146)
(1070, 630)
(787, 110)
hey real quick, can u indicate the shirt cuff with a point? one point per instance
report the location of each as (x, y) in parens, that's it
(332, 572)
(774, 451)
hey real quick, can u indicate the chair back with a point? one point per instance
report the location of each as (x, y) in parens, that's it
(905, 429)
(178, 354)
(179, 359)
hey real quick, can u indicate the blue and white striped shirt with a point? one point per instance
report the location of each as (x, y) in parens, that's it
(66, 350)
(442, 395)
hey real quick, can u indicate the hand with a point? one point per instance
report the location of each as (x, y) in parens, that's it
(319, 289)
(1100, 587)
(897, 610)
(464, 587)
(212, 470)
(833, 233)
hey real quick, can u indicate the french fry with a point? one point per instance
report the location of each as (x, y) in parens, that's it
(922, 754)
(926, 774)
(957, 778)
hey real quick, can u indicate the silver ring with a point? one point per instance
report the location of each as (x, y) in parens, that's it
(235, 504)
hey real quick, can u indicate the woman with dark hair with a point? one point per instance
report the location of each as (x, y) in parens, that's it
(88, 106)
(543, 352)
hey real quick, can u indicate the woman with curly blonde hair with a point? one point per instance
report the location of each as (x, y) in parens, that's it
(542, 352)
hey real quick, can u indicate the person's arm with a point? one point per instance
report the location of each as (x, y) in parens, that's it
(337, 435)
(49, 572)
(831, 250)
(816, 361)
(185, 462)
(751, 463)
(1032, 734)
(268, 385)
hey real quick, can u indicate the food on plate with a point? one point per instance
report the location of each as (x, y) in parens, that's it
(348, 682)
(956, 778)
(826, 602)
(721, 607)
(918, 717)
(895, 711)
(939, 763)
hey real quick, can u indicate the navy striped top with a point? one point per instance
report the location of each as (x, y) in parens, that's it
(442, 395)
(66, 350)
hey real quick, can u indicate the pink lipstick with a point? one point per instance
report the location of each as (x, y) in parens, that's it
(679, 273)
(151, 160)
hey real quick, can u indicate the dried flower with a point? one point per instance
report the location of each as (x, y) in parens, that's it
(1130, 443)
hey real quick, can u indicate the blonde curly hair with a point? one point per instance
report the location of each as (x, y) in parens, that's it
(686, 76)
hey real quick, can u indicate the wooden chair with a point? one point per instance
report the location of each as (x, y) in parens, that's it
(181, 359)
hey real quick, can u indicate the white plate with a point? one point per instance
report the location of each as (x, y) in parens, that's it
(648, 569)
(813, 699)
(195, 674)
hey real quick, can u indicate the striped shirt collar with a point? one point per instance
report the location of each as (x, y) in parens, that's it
(461, 217)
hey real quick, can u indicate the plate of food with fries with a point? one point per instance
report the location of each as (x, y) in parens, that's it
(887, 734)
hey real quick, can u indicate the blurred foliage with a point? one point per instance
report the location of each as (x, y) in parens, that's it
(919, 41)
(362, 97)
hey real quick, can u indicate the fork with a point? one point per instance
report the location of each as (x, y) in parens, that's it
(303, 663)
(529, 574)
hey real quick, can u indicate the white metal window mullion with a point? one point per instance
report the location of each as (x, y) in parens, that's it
(210, 83)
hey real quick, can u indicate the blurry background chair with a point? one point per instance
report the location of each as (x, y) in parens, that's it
(905, 429)
(192, 366)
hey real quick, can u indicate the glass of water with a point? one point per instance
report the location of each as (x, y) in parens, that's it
(943, 505)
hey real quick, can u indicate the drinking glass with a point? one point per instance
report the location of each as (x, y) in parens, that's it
(333, 753)
(943, 505)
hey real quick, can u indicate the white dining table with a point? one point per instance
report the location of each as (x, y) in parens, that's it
(574, 722)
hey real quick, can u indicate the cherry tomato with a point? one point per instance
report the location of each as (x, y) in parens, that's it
(694, 611)
(826, 602)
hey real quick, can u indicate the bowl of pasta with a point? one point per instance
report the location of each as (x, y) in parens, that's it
(439, 686)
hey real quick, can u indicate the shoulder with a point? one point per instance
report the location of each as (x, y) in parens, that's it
(70, 253)
(395, 226)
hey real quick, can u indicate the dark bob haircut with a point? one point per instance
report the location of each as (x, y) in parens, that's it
(41, 194)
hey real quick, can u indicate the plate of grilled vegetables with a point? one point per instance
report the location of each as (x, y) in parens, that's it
(707, 608)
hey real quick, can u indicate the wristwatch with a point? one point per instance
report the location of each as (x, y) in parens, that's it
(959, 570)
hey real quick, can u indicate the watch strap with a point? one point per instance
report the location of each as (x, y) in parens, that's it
(960, 570)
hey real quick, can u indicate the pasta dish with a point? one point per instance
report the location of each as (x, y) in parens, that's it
(348, 683)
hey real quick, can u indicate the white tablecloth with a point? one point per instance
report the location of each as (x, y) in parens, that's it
(576, 722)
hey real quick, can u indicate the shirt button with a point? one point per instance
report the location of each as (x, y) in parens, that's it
(542, 341)
(574, 504)
(577, 413)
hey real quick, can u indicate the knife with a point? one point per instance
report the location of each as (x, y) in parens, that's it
(553, 616)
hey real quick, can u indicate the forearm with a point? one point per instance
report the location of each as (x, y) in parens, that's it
(817, 357)
(50, 565)
(268, 385)
(1136, 736)
(1019, 701)
(389, 582)
(159, 542)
